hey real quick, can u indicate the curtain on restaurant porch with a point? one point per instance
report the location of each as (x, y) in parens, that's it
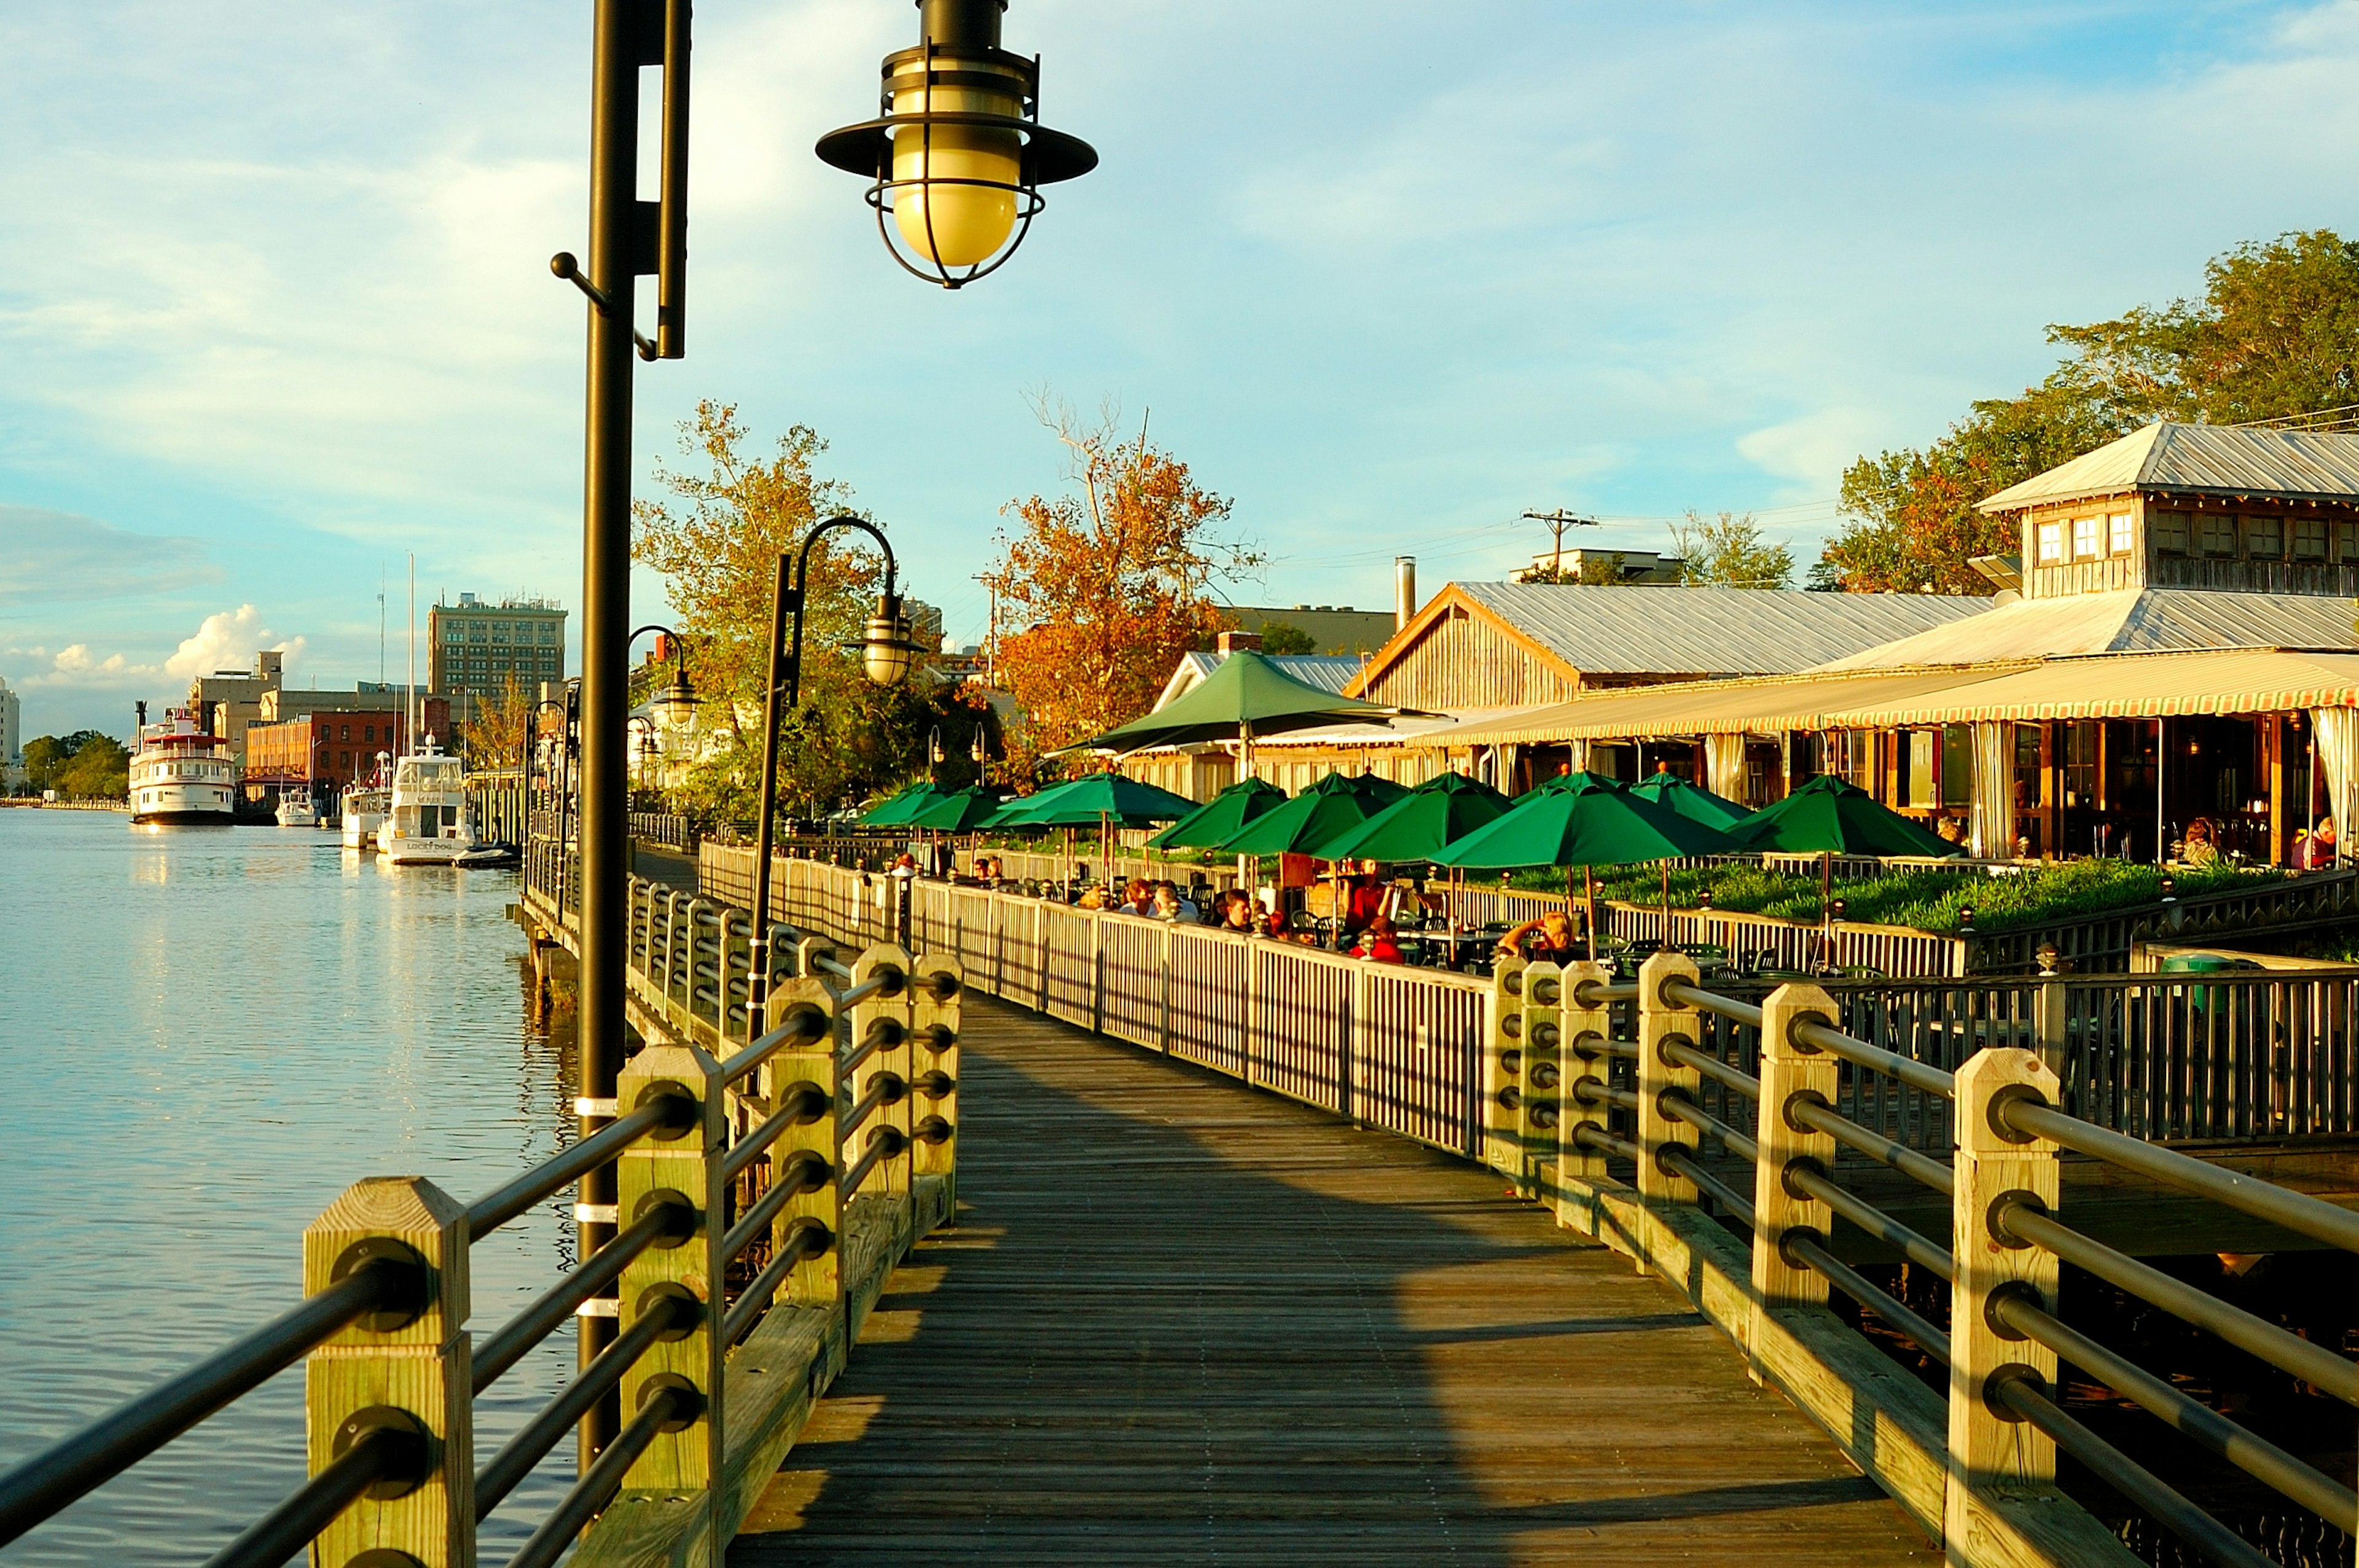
(2337, 729)
(1579, 750)
(1723, 767)
(1991, 815)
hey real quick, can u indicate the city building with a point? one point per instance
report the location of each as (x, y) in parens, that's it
(1332, 628)
(1603, 568)
(332, 746)
(474, 648)
(12, 738)
(236, 700)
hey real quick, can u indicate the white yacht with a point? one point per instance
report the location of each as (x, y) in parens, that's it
(296, 809)
(429, 822)
(363, 807)
(182, 773)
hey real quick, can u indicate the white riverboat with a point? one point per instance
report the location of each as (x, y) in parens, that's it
(430, 822)
(182, 773)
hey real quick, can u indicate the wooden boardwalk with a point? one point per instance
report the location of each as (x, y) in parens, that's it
(1182, 1321)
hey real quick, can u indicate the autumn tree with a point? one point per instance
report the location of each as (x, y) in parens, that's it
(2275, 338)
(1728, 551)
(496, 737)
(729, 514)
(1108, 580)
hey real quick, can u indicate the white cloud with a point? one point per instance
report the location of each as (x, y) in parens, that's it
(1814, 450)
(228, 640)
(59, 558)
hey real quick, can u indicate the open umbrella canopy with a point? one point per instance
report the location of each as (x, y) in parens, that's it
(1221, 817)
(1693, 802)
(1601, 825)
(1828, 815)
(1324, 811)
(896, 810)
(962, 811)
(1098, 799)
(1574, 782)
(1246, 690)
(1016, 811)
(1440, 811)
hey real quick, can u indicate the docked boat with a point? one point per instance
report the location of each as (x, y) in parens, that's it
(429, 822)
(296, 809)
(182, 772)
(363, 810)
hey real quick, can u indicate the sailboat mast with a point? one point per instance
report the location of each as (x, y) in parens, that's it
(410, 697)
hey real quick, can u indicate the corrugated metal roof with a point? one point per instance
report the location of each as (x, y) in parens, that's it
(2129, 620)
(1701, 707)
(2200, 460)
(1327, 672)
(2241, 680)
(1709, 631)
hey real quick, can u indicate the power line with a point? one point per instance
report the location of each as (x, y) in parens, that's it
(1558, 522)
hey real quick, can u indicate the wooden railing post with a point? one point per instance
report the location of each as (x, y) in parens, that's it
(1661, 1019)
(1097, 974)
(1791, 1074)
(1538, 1078)
(679, 1275)
(1991, 1451)
(817, 1281)
(1585, 1030)
(1502, 1062)
(937, 1010)
(396, 1369)
(886, 1017)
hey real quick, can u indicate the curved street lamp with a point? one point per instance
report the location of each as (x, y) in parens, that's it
(957, 154)
(675, 706)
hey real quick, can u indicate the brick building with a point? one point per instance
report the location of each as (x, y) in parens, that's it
(335, 747)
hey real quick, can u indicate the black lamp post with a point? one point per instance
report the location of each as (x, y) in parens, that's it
(887, 655)
(961, 114)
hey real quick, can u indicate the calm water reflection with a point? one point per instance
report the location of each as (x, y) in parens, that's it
(205, 1035)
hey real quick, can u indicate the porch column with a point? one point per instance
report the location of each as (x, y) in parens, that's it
(1991, 801)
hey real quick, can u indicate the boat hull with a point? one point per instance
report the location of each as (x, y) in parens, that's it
(183, 818)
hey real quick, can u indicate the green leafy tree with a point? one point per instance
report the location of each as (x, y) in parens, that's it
(100, 769)
(1281, 637)
(2276, 336)
(44, 756)
(1728, 551)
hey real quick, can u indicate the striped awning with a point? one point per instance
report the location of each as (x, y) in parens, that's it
(2139, 686)
(1760, 705)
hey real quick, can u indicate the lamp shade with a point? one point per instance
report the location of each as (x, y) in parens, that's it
(676, 704)
(954, 183)
(885, 649)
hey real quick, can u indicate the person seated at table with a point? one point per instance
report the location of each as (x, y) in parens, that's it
(1092, 898)
(1546, 939)
(1170, 906)
(1137, 898)
(1234, 912)
(2314, 850)
(1377, 944)
(2202, 846)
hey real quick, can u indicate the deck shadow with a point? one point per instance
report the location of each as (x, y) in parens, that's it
(1184, 1321)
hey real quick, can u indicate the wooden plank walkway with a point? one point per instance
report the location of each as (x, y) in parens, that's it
(1182, 1321)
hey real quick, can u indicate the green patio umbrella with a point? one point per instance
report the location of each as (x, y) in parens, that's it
(1221, 817)
(1830, 817)
(895, 810)
(961, 811)
(1439, 812)
(1588, 825)
(1576, 780)
(1691, 801)
(1097, 800)
(1304, 825)
(1246, 696)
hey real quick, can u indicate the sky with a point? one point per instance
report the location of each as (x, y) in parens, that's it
(277, 312)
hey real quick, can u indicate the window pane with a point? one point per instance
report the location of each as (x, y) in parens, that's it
(2264, 537)
(2117, 538)
(2052, 541)
(2084, 536)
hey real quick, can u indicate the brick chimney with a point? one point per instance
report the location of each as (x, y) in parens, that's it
(1238, 642)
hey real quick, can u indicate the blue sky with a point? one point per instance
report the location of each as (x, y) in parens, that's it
(275, 301)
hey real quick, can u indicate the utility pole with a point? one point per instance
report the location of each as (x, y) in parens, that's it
(990, 639)
(1558, 522)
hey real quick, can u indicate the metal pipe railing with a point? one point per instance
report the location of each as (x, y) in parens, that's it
(66, 1470)
(1803, 1249)
(1907, 1069)
(1677, 1160)
(387, 1454)
(2310, 1216)
(1821, 1117)
(884, 1143)
(515, 1461)
(807, 1238)
(1680, 1108)
(1915, 1247)
(2199, 1422)
(884, 1089)
(882, 1035)
(802, 1023)
(548, 1313)
(805, 1173)
(2021, 1396)
(1713, 1067)
(1682, 994)
(2282, 1349)
(572, 1163)
(598, 1484)
(802, 1104)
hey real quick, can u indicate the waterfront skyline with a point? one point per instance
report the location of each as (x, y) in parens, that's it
(276, 286)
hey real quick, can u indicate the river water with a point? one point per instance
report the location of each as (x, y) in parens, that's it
(206, 1034)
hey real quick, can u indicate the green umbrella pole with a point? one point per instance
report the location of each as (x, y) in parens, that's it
(1589, 883)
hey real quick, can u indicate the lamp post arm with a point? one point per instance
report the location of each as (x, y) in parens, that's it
(798, 596)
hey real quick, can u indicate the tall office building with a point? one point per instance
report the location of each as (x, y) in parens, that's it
(12, 731)
(475, 647)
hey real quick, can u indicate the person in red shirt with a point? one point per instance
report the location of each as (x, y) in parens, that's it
(1376, 942)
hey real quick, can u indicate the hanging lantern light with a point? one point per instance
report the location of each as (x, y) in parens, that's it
(886, 648)
(958, 155)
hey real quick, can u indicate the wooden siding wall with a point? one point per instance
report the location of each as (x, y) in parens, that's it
(1468, 661)
(2265, 546)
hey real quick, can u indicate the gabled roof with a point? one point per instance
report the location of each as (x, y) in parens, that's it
(2200, 460)
(1587, 630)
(2126, 621)
(1327, 672)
